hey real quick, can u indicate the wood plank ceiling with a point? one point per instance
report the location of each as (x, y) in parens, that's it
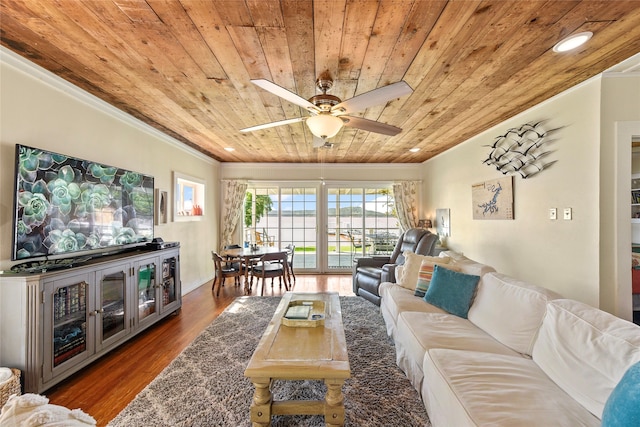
(184, 66)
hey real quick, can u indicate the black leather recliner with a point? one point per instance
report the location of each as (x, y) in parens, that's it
(369, 272)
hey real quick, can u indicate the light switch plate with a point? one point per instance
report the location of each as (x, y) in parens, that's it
(553, 213)
(567, 213)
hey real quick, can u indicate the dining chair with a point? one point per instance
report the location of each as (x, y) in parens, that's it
(272, 265)
(231, 261)
(223, 271)
(291, 251)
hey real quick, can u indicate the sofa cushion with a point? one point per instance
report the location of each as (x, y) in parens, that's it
(472, 267)
(500, 297)
(451, 291)
(411, 268)
(425, 274)
(470, 388)
(585, 351)
(417, 332)
(623, 406)
(396, 299)
(455, 256)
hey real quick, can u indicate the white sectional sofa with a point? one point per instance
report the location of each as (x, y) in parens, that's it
(524, 356)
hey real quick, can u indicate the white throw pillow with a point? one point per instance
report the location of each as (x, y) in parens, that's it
(411, 268)
(398, 271)
(513, 297)
(585, 351)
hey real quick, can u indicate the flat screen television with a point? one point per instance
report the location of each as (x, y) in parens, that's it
(64, 205)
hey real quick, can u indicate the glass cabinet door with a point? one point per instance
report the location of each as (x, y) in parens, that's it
(69, 321)
(635, 198)
(169, 285)
(112, 291)
(147, 305)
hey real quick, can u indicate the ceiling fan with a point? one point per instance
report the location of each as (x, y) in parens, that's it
(328, 113)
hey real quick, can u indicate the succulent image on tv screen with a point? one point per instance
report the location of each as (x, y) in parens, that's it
(65, 205)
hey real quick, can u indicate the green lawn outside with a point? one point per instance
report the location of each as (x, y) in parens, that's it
(347, 248)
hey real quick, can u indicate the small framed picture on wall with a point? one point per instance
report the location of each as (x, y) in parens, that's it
(442, 222)
(161, 207)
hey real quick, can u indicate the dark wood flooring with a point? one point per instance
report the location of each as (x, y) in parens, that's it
(105, 387)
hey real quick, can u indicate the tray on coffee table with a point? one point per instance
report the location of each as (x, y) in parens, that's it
(304, 314)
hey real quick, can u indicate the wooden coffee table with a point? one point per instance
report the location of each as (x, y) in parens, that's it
(301, 353)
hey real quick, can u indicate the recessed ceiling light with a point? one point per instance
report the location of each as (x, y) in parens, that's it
(414, 150)
(229, 149)
(572, 42)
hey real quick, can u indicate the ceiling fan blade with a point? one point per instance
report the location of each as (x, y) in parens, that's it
(370, 125)
(274, 124)
(381, 95)
(284, 93)
(318, 142)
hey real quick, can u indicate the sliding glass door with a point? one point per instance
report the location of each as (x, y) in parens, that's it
(329, 225)
(361, 221)
(299, 225)
(284, 215)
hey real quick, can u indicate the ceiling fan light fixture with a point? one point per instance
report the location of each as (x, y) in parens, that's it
(324, 125)
(572, 41)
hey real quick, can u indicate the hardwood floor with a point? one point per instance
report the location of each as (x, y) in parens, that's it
(105, 387)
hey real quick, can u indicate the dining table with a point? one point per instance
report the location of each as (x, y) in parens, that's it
(248, 255)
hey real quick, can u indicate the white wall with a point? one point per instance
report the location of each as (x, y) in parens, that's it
(561, 255)
(315, 172)
(41, 110)
(585, 258)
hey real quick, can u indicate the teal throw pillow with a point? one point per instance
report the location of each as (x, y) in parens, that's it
(623, 405)
(451, 291)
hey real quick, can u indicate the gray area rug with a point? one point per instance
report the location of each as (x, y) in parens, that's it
(205, 385)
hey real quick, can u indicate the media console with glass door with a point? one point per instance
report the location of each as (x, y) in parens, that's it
(54, 323)
(635, 198)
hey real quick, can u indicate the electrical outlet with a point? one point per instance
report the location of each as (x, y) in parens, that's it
(567, 213)
(553, 213)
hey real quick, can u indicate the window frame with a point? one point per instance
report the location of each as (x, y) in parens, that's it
(181, 182)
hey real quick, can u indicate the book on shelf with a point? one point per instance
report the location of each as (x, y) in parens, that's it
(69, 300)
(69, 345)
(63, 357)
(60, 303)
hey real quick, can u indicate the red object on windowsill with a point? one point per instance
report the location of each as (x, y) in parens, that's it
(635, 280)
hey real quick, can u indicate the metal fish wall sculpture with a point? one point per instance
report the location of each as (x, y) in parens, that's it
(521, 150)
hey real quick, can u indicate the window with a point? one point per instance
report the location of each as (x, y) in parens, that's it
(361, 221)
(189, 198)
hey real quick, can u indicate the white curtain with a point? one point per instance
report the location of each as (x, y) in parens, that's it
(233, 193)
(405, 194)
